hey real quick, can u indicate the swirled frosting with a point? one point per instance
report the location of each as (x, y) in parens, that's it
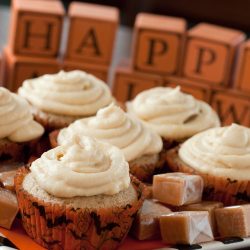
(83, 167)
(73, 93)
(171, 113)
(221, 151)
(114, 126)
(16, 120)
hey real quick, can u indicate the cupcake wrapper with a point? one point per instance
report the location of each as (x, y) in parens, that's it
(57, 226)
(230, 192)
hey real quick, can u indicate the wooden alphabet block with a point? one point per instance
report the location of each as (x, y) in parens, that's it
(231, 106)
(198, 90)
(19, 68)
(36, 27)
(242, 76)
(210, 53)
(98, 70)
(92, 32)
(128, 83)
(158, 43)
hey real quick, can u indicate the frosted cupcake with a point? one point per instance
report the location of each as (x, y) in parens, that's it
(222, 157)
(175, 116)
(59, 99)
(79, 196)
(18, 131)
(141, 146)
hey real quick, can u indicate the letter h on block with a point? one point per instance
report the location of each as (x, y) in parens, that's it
(36, 28)
(210, 53)
(158, 43)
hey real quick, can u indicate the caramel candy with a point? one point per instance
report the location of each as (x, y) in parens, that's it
(233, 221)
(8, 208)
(209, 206)
(177, 188)
(146, 224)
(188, 227)
(7, 180)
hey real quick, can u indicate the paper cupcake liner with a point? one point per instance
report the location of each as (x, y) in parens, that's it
(226, 190)
(57, 226)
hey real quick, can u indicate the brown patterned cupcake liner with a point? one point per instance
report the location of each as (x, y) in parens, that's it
(226, 190)
(56, 226)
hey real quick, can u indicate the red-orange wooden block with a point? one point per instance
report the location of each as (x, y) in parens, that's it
(231, 106)
(128, 83)
(158, 43)
(19, 68)
(92, 32)
(210, 53)
(198, 90)
(98, 70)
(36, 27)
(242, 77)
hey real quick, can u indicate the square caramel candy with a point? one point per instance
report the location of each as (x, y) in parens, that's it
(233, 221)
(146, 224)
(7, 180)
(177, 188)
(188, 227)
(8, 208)
(209, 206)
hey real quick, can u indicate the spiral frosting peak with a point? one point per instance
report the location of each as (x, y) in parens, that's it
(73, 93)
(16, 120)
(83, 167)
(172, 113)
(222, 151)
(114, 126)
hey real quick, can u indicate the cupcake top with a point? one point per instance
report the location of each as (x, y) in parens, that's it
(221, 151)
(114, 126)
(173, 114)
(74, 93)
(82, 167)
(16, 120)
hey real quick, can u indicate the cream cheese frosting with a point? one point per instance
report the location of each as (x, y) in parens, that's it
(112, 125)
(16, 120)
(171, 113)
(221, 151)
(83, 167)
(73, 93)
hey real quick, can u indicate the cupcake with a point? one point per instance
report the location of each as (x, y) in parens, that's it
(175, 116)
(78, 196)
(59, 99)
(18, 131)
(141, 146)
(222, 157)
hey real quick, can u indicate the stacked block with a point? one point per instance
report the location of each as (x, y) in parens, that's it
(201, 60)
(34, 41)
(91, 37)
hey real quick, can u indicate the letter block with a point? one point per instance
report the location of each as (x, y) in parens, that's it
(36, 27)
(19, 68)
(231, 106)
(98, 70)
(92, 32)
(242, 77)
(128, 83)
(210, 53)
(158, 43)
(198, 90)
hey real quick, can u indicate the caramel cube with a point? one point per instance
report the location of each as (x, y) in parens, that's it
(146, 224)
(7, 180)
(8, 208)
(209, 206)
(92, 32)
(177, 188)
(188, 227)
(233, 221)
(210, 53)
(158, 43)
(36, 27)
